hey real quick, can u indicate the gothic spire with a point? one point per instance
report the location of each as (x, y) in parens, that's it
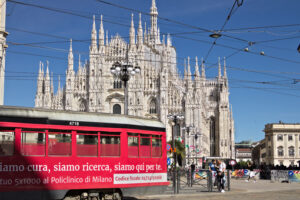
(185, 72)
(79, 62)
(154, 14)
(52, 87)
(40, 69)
(58, 88)
(70, 58)
(189, 68)
(132, 32)
(140, 31)
(94, 36)
(169, 42)
(197, 68)
(145, 33)
(106, 37)
(202, 69)
(101, 32)
(219, 71)
(225, 73)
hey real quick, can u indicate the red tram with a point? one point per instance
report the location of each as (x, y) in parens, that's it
(56, 154)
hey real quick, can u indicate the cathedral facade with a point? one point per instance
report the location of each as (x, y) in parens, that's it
(154, 93)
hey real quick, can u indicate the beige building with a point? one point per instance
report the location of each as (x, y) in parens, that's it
(281, 144)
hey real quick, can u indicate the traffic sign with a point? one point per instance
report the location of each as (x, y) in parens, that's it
(169, 161)
(232, 162)
(168, 147)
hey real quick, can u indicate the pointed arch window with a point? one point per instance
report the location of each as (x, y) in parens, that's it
(82, 106)
(213, 136)
(116, 109)
(153, 107)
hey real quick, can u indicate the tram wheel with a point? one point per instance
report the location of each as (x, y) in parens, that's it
(117, 196)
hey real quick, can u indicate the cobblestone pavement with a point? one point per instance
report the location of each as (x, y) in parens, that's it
(241, 190)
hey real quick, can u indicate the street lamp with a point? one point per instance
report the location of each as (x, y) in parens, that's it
(175, 118)
(124, 72)
(215, 35)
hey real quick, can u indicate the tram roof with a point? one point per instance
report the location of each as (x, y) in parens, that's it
(48, 115)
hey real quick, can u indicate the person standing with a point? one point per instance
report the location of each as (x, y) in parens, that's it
(221, 174)
(212, 168)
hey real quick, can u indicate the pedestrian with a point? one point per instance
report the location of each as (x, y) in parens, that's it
(193, 167)
(252, 174)
(221, 174)
(213, 169)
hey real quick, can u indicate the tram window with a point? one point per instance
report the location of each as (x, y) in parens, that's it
(133, 144)
(110, 144)
(7, 139)
(87, 145)
(59, 144)
(156, 146)
(33, 144)
(145, 145)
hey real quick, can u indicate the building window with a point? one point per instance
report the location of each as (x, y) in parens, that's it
(152, 107)
(292, 162)
(269, 138)
(116, 109)
(291, 151)
(280, 151)
(279, 137)
(290, 138)
(213, 137)
(280, 162)
(269, 151)
(117, 84)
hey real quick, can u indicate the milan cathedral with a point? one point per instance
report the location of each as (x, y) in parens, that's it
(155, 93)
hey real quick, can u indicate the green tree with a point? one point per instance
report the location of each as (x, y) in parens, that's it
(180, 151)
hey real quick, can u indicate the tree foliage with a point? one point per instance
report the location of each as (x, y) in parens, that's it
(180, 151)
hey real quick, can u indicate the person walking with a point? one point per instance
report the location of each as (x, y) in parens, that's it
(251, 172)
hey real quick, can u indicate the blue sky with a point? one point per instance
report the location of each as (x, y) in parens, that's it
(262, 88)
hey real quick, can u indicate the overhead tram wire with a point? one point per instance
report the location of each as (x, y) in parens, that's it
(202, 41)
(273, 74)
(88, 17)
(266, 90)
(236, 2)
(62, 11)
(68, 12)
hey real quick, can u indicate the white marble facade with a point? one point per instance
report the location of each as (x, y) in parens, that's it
(156, 92)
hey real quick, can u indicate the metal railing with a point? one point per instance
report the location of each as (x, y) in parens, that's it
(197, 181)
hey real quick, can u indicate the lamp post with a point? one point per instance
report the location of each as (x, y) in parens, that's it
(188, 130)
(175, 118)
(124, 72)
(196, 135)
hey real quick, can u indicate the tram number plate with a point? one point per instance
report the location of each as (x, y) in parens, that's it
(74, 123)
